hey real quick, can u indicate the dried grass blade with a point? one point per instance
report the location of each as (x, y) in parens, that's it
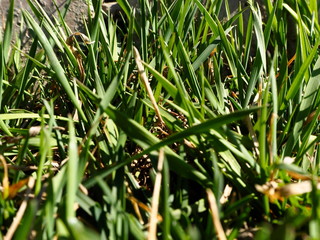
(23, 206)
(215, 215)
(152, 235)
(145, 81)
(5, 181)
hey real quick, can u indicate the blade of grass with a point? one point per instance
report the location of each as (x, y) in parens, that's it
(165, 201)
(146, 84)
(215, 215)
(46, 22)
(296, 17)
(171, 89)
(59, 72)
(2, 72)
(22, 224)
(261, 44)
(193, 81)
(304, 108)
(209, 19)
(152, 234)
(7, 37)
(72, 173)
(274, 114)
(295, 86)
(44, 153)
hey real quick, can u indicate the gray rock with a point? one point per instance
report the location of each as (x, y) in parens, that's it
(77, 11)
(74, 17)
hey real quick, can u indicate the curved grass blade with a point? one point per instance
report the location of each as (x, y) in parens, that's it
(59, 71)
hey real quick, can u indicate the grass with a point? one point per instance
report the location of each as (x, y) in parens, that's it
(164, 123)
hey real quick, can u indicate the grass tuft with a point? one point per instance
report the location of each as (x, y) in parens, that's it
(219, 139)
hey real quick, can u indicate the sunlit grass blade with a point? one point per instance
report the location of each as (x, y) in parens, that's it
(248, 41)
(261, 45)
(25, 73)
(193, 81)
(46, 22)
(227, 48)
(274, 116)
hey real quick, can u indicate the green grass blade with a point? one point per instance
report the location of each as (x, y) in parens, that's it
(72, 173)
(56, 66)
(24, 229)
(261, 45)
(2, 73)
(295, 86)
(7, 37)
(204, 55)
(209, 19)
(305, 106)
(171, 89)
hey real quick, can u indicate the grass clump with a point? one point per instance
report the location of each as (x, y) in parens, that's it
(176, 125)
